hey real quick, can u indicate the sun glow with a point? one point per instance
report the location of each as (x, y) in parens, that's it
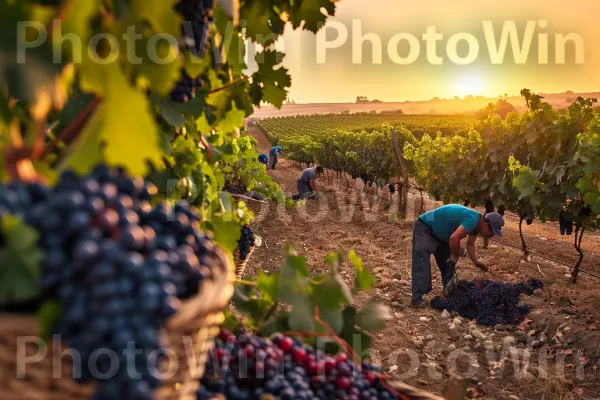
(469, 85)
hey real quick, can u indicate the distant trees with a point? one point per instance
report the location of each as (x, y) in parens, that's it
(364, 99)
(502, 108)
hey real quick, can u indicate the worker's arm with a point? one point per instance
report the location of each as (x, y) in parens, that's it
(459, 234)
(312, 184)
(471, 249)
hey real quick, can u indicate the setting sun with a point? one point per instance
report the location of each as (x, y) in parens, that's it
(471, 84)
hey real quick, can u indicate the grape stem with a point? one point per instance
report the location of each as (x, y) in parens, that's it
(71, 132)
(228, 85)
(62, 11)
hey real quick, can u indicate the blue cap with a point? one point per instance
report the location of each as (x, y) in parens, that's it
(496, 222)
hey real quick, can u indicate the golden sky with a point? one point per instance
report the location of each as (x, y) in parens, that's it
(396, 77)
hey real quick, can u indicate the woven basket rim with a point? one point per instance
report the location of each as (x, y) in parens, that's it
(212, 297)
(241, 196)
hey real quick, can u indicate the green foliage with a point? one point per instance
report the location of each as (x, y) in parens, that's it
(112, 104)
(540, 163)
(292, 299)
(20, 260)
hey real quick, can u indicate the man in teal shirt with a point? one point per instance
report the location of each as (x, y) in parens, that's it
(439, 232)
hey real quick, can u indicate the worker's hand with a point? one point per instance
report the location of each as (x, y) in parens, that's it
(453, 259)
(481, 265)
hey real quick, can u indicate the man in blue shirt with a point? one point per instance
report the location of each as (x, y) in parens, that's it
(263, 159)
(273, 156)
(439, 232)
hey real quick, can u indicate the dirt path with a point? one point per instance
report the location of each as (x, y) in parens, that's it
(419, 346)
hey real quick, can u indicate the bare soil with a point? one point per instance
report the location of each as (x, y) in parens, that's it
(558, 345)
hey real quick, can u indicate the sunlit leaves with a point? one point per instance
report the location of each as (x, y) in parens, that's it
(271, 81)
(123, 129)
(307, 13)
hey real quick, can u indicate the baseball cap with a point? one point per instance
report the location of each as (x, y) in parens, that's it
(496, 222)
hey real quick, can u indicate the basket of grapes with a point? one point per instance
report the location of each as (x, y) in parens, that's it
(130, 295)
(253, 201)
(244, 250)
(245, 366)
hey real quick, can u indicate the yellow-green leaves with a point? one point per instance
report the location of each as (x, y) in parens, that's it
(160, 13)
(122, 131)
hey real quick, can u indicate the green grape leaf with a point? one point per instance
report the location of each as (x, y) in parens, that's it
(245, 302)
(221, 100)
(27, 64)
(78, 21)
(364, 280)
(127, 128)
(332, 317)
(297, 263)
(234, 118)
(227, 233)
(157, 67)
(194, 65)
(272, 78)
(331, 291)
(20, 260)
(259, 17)
(278, 323)
(268, 285)
(88, 148)
(160, 13)
(309, 12)
(357, 339)
(373, 316)
(47, 316)
(302, 315)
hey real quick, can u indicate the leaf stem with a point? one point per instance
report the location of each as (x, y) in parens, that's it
(71, 132)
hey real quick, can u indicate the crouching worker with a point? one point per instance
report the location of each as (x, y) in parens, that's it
(439, 232)
(263, 159)
(306, 184)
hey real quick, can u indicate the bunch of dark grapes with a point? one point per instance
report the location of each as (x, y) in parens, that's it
(117, 266)
(252, 368)
(488, 302)
(186, 88)
(392, 188)
(234, 189)
(255, 196)
(197, 19)
(246, 242)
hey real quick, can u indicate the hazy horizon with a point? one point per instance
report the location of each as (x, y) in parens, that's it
(546, 32)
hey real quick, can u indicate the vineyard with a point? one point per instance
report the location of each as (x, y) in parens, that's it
(537, 164)
(146, 253)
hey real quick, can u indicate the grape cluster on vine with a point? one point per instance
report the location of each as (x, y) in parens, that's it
(488, 302)
(248, 367)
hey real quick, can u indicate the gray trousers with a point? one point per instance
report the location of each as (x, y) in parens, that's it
(424, 244)
(272, 161)
(303, 190)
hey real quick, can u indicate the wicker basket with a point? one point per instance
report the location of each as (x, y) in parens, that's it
(260, 208)
(455, 389)
(240, 265)
(191, 333)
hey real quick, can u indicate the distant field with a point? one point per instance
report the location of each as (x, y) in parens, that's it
(450, 106)
(290, 126)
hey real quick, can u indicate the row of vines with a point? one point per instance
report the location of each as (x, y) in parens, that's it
(540, 164)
